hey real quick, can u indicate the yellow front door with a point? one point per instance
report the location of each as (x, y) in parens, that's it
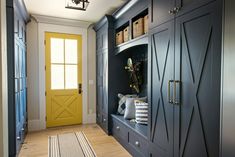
(63, 79)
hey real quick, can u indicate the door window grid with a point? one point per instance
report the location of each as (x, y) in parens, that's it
(64, 63)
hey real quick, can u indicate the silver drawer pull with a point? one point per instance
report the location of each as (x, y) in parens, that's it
(137, 143)
(118, 128)
(22, 129)
(104, 120)
(18, 138)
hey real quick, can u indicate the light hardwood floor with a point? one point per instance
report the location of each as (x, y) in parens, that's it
(36, 143)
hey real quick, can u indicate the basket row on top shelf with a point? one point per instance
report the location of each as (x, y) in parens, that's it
(139, 28)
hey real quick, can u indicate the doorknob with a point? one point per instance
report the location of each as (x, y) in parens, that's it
(79, 88)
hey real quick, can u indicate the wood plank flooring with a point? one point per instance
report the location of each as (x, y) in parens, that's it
(36, 143)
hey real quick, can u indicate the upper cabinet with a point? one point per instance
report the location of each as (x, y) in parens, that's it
(104, 33)
(162, 11)
(184, 6)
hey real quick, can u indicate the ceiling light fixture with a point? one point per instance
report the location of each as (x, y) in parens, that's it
(77, 4)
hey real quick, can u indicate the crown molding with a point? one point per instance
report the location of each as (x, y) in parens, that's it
(124, 8)
(20, 6)
(60, 21)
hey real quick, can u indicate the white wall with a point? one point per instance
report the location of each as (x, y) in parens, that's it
(91, 70)
(3, 83)
(32, 72)
(36, 62)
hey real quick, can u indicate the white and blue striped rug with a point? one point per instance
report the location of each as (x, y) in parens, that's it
(70, 145)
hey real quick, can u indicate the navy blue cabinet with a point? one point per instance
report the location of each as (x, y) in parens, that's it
(104, 34)
(198, 67)
(109, 68)
(162, 11)
(17, 89)
(161, 76)
(184, 82)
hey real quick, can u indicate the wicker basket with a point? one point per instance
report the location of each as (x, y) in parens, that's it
(138, 27)
(126, 34)
(146, 18)
(119, 38)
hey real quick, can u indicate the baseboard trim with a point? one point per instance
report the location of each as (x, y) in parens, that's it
(34, 125)
(91, 118)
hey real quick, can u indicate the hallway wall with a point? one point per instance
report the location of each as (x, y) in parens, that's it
(34, 66)
(3, 83)
(91, 70)
(32, 70)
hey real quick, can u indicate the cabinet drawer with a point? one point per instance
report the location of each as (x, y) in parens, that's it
(98, 117)
(138, 144)
(120, 132)
(104, 122)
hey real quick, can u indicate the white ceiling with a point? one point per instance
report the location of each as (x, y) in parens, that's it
(56, 8)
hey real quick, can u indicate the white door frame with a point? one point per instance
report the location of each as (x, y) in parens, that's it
(45, 27)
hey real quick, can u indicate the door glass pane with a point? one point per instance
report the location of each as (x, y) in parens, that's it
(71, 77)
(71, 51)
(57, 76)
(57, 50)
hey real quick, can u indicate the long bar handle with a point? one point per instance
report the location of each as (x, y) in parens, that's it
(175, 101)
(169, 91)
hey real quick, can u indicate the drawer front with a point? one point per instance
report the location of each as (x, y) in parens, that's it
(104, 122)
(120, 132)
(98, 117)
(138, 145)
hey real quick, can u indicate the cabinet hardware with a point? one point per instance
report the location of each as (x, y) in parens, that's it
(169, 91)
(137, 143)
(22, 129)
(104, 120)
(176, 102)
(171, 12)
(176, 10)
(18, 138)
(118, 128)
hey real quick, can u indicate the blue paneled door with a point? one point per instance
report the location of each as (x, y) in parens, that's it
(17, 96)
(20, 87)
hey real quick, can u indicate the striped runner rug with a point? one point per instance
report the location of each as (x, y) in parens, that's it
(70, 145)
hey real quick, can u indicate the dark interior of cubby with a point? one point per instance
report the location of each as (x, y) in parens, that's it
(121, 28)
(138, 54)
(142, 14)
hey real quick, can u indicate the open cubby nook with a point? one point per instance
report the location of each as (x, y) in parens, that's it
(129, 133)
(137, 54)
(133, 32)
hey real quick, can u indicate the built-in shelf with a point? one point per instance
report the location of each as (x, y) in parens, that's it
(142, 40)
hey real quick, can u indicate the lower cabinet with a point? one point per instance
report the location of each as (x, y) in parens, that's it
(138, 144)
(130, 138)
